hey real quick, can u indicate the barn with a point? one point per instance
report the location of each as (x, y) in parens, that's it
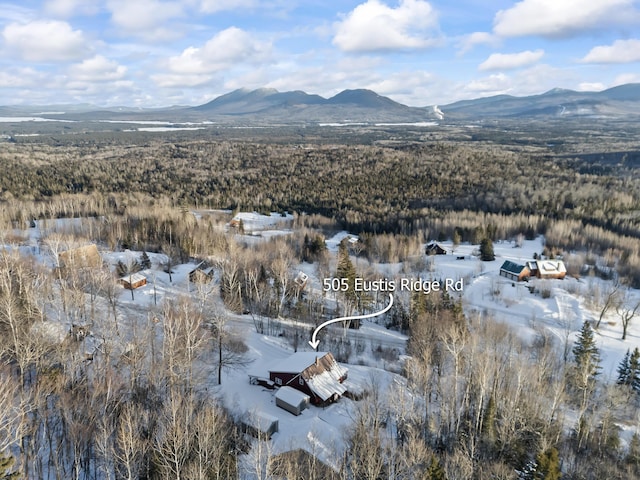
(316, 374)
(291, 400)
(514, 271)
(133, 281)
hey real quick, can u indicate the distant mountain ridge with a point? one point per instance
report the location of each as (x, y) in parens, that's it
(348, 105)
(270, 106)
(620, 101)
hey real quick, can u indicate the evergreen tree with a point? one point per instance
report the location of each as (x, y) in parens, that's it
(435, 470)
(145, 261)
(489, 421)
(486, 250)
(633, 455)
(121, 269)
(346, 270)
(547, 465)
(634, 369)
(586, 353)
(623, 370)
(629, 370)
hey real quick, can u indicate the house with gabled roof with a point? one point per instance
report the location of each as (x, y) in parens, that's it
(434, 249)
(514, 271)
(316, 374)
(203, 273)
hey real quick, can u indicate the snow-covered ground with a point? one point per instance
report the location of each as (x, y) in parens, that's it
(562, 311)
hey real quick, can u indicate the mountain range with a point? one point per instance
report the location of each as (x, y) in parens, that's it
(266, 105)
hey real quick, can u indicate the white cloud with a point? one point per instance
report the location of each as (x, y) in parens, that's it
(213, 6)
(625, 78)
(97, 69)
(69, 8)
(374, 26)
(229, 51)
(20, 78)
(492, 85)
(559, 18)
(45, 41)
(621, 51)
(508, 61)
(591, 87)
(477, 38)
(144, 18)
(225, 49)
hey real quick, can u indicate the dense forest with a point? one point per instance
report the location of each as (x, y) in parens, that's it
(476, 401)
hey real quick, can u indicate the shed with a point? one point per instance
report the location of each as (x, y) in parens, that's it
(316, 374)
(514, 271)
(259, 424)
(291, 400)
(133, 281)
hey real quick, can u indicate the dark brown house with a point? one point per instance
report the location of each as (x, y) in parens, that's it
(434, 249)
(316, 374)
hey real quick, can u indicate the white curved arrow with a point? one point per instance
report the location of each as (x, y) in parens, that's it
(314, 343)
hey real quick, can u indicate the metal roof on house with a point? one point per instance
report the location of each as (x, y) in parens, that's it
(512, 267)
(320, 371)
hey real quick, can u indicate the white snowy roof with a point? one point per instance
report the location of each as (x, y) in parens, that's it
(134, 278)
(327, 383)
(319, 369)
(297, 362)
(551, 266)
(260, 420)
(291, 396)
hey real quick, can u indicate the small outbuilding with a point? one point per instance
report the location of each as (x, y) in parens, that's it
(514, 271)
(133, 281)
(291, 400)
(259, 424)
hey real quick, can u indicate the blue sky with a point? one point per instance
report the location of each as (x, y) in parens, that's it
(186, 52)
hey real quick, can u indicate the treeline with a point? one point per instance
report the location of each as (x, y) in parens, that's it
(364, 188)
